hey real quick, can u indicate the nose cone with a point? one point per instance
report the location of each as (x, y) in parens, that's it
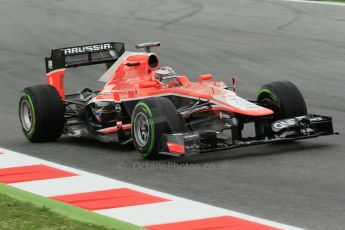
(239, 105)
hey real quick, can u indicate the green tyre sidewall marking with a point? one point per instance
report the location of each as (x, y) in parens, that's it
(152, 128)
(270, 93)
(32, 129)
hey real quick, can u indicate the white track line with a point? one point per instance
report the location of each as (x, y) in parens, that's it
(177, 209)
(317, 2)
(164, 212)
(68, 185)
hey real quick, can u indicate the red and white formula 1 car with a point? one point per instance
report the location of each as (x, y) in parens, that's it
(162, 112)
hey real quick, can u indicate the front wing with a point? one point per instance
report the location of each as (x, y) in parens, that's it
(296, 128)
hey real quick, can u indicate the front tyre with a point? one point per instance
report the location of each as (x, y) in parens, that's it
(41, 113)
(151, 118)
(284, 98)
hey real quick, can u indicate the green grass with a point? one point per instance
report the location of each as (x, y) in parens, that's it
(21, 210)
(19, 215)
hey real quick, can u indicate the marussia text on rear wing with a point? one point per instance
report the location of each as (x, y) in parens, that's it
(92, 54)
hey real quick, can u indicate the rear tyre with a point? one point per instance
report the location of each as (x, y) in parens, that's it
(284, 98)
(41, 113)
(151, 118)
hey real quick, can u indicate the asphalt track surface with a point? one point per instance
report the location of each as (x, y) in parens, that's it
(301, 184)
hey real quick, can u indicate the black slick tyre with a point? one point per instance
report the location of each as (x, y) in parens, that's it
(284, 98)
(41, 113)
(151, 118)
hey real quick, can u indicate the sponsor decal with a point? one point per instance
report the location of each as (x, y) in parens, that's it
(50, 64)
(237, 102)
(117, 108)
(97, 113)
(282, 124)
(313, 119)
(88, 48)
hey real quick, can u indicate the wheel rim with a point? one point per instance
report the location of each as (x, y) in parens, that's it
(141, 129)
(26, 115)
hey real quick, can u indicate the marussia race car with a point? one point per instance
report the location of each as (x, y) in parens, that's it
(161, 112)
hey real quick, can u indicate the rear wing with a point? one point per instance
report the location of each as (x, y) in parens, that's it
(84, 55)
